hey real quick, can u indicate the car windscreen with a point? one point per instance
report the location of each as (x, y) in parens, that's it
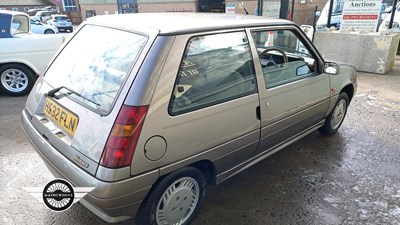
(95, 64)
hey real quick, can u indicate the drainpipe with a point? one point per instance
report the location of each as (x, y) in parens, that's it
(260, 7)
(392, 15)
(328, 24)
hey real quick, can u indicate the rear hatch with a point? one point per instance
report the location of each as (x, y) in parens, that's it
(62, 21)
(75, 104)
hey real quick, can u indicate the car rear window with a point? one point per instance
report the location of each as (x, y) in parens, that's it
(95, 64)
(61, 18)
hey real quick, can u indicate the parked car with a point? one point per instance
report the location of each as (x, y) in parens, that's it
(23, 55)
(42, 16)
(41, 28)
(151, 108)
(62, 22)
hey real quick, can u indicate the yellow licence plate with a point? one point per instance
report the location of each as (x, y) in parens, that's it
(61, 116)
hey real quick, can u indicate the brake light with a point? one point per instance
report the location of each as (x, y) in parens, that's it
(121, 143)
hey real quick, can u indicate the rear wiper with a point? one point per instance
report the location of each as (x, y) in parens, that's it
(52, 93)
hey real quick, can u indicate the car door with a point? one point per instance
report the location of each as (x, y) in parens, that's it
(294, 93)
(211, 112)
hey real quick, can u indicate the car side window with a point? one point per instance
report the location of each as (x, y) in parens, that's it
(283, 57)
(19, 24)
(214, 69)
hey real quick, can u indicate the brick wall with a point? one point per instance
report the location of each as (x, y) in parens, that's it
(304, 12)
(170, 7)
(75, 17)
(20, 8)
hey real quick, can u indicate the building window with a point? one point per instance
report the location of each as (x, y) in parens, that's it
(26, 9)
(69, 5)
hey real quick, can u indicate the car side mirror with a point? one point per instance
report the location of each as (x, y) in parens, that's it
(37, 22)
(302, 70)
(331, 68)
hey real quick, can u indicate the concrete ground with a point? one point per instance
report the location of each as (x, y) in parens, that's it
(351, 177)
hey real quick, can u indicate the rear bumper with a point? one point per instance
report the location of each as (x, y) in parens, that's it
(64, 26)
(111, 201)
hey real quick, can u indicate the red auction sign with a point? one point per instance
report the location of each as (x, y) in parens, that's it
(361, 15)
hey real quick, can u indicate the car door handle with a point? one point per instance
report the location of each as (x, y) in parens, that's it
(258, 113)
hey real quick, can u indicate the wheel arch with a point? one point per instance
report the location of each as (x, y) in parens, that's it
(27, 66)
(205, 166)
(49, 29)
(208, 169)
(349, 90)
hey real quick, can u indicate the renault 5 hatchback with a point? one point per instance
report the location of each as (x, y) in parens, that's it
(151, 108)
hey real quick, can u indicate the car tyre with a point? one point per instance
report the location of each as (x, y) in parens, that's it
(175, 199)
(336, 117)
(16, 79)
(49, 31)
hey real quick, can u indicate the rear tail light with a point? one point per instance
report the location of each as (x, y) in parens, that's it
(121, 143)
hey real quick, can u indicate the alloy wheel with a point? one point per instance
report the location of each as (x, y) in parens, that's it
(14, 80)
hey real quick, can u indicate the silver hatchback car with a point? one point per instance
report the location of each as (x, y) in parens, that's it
(150, 108)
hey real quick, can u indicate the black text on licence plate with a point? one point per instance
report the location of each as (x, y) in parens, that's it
(61, 116)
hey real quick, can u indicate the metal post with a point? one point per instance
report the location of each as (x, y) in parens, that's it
(292, 12)
(283, 14)
(260, 7)
(328, 24)
(118, 6)
(315, 17)
(392, 15)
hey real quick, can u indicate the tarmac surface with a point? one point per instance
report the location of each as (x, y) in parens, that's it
(352, 177)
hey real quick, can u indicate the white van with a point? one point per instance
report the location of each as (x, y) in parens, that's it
(337, 14)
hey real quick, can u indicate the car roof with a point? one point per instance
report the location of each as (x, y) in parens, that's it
(172, 23)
